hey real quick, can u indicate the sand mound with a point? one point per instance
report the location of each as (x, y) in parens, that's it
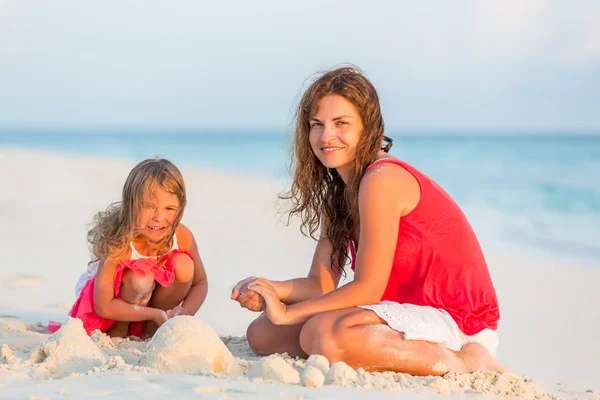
(341, 374)
(273, 368)
(320, 362)
(186, 345)
(68, 350)
(312, 377)
(315, 369)
(7, 356)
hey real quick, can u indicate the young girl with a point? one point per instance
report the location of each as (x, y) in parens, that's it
(137, 243)
(422, 300)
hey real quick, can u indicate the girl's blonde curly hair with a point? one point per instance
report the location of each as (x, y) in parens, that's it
(114, 228)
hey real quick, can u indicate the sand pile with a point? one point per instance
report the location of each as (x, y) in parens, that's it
(68, 350)
(187, 345)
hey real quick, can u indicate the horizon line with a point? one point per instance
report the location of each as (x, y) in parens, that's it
(450, 132)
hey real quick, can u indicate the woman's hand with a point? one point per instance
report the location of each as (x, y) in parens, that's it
(275, 309)
(247, 298)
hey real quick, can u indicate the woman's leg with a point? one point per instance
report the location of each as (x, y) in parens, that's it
(266, 338)
(166, 298)
(134, 290)
(361, 339)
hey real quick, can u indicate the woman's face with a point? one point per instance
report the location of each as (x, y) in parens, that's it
(335, 132)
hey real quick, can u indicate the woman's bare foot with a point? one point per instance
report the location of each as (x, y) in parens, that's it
(477, 358)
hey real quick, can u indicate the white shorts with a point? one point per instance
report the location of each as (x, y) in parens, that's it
(431, 325)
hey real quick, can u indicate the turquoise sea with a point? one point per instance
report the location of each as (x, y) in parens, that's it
(542, 192)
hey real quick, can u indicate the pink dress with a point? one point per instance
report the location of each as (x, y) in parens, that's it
(84, 307)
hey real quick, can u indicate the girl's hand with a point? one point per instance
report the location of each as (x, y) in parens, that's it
(160, 317)
(177, 311)
(248, 298)
(275, 309)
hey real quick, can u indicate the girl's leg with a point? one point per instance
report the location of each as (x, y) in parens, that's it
(266, 338)
(134, 290)
(171, 296)
(361, 339)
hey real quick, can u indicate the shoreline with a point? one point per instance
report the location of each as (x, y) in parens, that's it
(490, 241)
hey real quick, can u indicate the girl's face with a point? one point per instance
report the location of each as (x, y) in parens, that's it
(156, 217)
(335, 132)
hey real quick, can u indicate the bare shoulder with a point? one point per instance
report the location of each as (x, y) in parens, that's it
(388, 176)
(119, 256)
(114, 260)
(185, 237)
(391, 183)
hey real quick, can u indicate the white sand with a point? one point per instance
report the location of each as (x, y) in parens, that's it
(186, 345)
(549, 328)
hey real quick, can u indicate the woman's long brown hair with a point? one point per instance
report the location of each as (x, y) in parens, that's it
(318, 190)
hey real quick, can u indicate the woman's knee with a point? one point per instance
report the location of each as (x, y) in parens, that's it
(183, 267)
(324, 333)
(266, 338)
(318, 334)
(258, 336)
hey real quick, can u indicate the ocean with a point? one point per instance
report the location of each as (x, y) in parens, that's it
(541, 193)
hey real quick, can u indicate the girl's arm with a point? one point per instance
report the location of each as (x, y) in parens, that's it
(385, 195)
(197, 294)
(108, 306)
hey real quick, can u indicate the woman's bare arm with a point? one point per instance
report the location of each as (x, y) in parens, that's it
(320, 279)
(383, 197)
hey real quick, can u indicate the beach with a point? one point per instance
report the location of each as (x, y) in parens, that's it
(549, 326)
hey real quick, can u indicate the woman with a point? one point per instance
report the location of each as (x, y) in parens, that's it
(422, 301)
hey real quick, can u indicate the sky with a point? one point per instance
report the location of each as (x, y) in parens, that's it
(476, 66)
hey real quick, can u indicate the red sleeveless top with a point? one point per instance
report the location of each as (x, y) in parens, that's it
(438, 261)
